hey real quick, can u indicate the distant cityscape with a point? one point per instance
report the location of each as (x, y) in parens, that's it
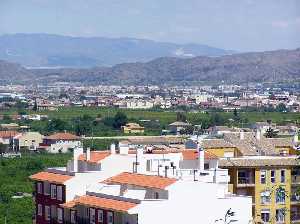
(281, 98)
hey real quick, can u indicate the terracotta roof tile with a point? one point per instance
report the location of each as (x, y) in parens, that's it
(62, 136)
(96, 156)
(193, 155)
(147, 181)
(99, 202)
(51, 177)
(8, 134)
(259, 161)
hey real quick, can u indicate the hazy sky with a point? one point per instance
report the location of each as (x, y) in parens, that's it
(244, 25)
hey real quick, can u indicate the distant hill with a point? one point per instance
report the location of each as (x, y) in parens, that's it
(271, 66)
(46, 50)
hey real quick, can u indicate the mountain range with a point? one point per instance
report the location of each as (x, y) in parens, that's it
(270, 66)
(47, 50)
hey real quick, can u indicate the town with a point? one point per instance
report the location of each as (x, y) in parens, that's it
(149, 112)
(224, 97)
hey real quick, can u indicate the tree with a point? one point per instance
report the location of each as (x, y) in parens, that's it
(57, 124)
(120, 119)
(2, 149)
(181, 117)
(281, 108)
(270, 133)
(217, 119)
(235, 113)
(35, 106)
(83, 125)
(7, 118)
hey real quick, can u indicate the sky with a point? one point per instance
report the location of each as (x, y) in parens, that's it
(241, 25)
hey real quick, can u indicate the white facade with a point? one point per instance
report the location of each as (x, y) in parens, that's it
(63, 146)
(197, 196)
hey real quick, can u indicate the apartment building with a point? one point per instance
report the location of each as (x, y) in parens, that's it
(268, 179)
(138, 185)
(60, 142)
(265, 169)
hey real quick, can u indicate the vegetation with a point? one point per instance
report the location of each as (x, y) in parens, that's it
(14, 178)
(92, 121)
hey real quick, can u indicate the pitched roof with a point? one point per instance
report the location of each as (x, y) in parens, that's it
(96, 156)
(261, 161)
(62, 136)
(148, 140)
(147, 181)
(100, 202)
(251, 146)
(8, 134)
(216, 143)
(179, 123)
(193, 155)
(51, 177)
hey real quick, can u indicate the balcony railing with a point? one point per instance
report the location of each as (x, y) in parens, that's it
(295, 216)
(245, 180)
(295, 198)
(295, 179)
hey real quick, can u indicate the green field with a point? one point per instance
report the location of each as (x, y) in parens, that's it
(14, 178)
(159, 119)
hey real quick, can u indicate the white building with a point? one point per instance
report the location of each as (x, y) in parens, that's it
(140, 186)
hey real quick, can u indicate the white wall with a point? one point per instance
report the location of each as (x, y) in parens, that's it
(192, 202)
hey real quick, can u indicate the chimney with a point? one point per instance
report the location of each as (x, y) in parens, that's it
(296, 139)
(201, 158)
(113, 148)
(88, 154)
(242, 135)
(258, 135)
(76, 153)
(139, 157)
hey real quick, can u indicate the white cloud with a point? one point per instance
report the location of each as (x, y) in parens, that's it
(286, 23)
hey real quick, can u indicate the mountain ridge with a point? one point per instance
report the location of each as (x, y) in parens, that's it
(269, 66)
(52, 50)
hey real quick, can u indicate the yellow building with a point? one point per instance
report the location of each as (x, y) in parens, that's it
(269, 180)
(264, 169)
(132, 128)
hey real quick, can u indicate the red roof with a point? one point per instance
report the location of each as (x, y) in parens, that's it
(147, 181)
(8, 134)
(51, 177)
(62, 136)
(99, 202)
(193, 155)
(96, 156)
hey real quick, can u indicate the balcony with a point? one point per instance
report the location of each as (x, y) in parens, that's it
(295, 179)
(245, 182)
(295, 199)
(295, 217)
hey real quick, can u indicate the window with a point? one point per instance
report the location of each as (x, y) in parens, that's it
(53, 191)
(280, 196)
(100, 216)
(73, 217)
(265, 197)
(265, 215)
(59, 215)
(110, 218)
(46, 188)
(273, 176)
(39, 187)
(156, 195)
(59, 192)
(280, 215)
(47, 213)
(40, 210)
(92, 216)
(282, 176)
(263, 176)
